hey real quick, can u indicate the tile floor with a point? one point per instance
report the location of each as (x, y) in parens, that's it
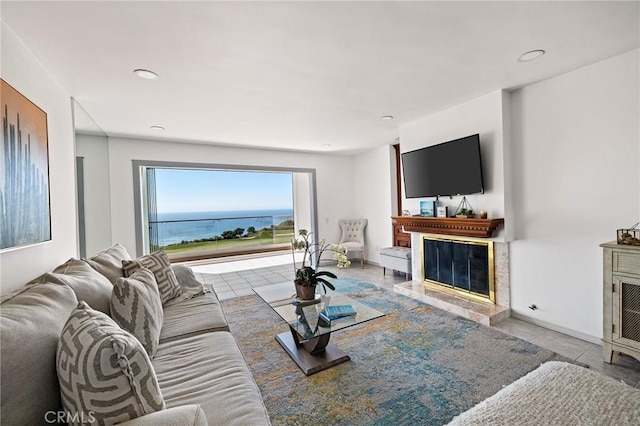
(237, 278)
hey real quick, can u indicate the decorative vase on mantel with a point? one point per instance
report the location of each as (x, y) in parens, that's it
(305, 292)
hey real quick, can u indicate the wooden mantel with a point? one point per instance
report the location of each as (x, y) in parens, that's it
(464, 227)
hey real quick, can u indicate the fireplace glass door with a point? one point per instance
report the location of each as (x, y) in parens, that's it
(462, 265)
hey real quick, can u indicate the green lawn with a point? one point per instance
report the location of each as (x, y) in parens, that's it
(259, 239)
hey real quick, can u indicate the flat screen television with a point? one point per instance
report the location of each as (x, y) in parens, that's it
(448, 168)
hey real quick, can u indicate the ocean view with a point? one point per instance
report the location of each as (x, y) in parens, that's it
(176, 227)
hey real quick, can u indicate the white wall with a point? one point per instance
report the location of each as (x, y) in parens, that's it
(374, 197)
(333, 177)
(302, 204)
(576, 156)
(97, 205)
(21, 69)
(484, 115)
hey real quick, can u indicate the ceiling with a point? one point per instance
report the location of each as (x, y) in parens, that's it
(310, 76)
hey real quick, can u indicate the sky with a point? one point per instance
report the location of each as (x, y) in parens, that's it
(180, 190)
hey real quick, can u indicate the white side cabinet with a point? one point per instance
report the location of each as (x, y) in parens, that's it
(621, 319)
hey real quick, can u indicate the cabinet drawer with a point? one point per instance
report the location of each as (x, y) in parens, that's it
(626, 262)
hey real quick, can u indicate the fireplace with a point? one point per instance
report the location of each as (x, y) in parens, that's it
(464, 297)
(464, 267)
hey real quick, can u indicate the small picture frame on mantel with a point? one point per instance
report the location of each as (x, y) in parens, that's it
(428, 208)
(442, 211)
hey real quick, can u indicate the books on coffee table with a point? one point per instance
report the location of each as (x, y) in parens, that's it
(338, 311)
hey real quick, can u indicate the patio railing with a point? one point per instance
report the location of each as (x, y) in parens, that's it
(216, 236)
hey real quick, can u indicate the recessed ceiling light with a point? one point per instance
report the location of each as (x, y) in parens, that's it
(157, 128)
(386, 117)
(146, 74)
(531, 55)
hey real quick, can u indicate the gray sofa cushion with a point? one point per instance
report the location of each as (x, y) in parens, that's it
(31, 320)
(214, 375)
(109, 262)
(136, 307)
(103, 371)
(199, 314)
(184, 415)
(158, 263)
(88, 284)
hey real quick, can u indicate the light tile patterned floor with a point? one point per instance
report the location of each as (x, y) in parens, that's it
(237, 278)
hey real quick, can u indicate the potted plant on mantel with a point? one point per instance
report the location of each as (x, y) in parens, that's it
(464, 209)
(307, 278)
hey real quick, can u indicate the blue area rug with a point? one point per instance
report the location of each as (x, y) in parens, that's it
(415, 365)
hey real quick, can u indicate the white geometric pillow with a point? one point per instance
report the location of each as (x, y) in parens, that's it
(104, 372)
(136, 307)
(158, 263)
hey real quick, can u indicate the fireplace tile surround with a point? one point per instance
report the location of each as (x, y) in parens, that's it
(483, 312)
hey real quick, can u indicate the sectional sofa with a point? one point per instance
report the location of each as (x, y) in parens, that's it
(196, 369)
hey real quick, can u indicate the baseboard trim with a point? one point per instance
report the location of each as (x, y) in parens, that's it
(564, 330)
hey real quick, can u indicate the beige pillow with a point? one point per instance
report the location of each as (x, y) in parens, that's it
(109, 262)
(137, 308)
(158, 263)
(103, 371)
(88, 284)
(31, 320)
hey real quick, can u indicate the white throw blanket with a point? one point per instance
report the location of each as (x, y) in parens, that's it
(558, 393)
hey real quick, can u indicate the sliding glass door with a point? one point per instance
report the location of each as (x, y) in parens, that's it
(197, 213)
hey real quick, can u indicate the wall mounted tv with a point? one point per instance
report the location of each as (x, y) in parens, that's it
(448, 168)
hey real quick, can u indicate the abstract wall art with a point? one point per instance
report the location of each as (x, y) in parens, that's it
(25, 216)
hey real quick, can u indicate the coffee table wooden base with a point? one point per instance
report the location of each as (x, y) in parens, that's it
(311, 364)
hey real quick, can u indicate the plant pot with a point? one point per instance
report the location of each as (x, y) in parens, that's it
(304, 292)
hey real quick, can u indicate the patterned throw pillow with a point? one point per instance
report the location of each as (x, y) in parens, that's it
(158, 263)
(104, 372)
(137, 308)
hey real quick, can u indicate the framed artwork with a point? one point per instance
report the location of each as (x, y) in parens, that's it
(25, 215)
(428, 208)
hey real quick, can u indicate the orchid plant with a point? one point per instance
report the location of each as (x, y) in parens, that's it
(306, 275)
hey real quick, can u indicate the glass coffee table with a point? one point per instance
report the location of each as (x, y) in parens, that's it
(307, 341)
